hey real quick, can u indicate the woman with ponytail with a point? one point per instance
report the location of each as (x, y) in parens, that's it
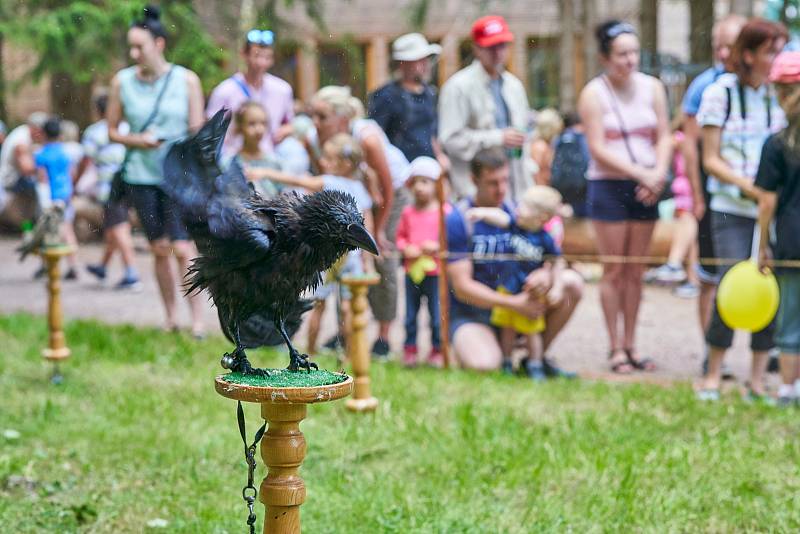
(161, 102)
(624, 112)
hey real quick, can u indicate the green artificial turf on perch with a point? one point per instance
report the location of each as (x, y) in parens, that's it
(283, 378)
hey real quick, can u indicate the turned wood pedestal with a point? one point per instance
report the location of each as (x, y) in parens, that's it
(283, 446)
(56, 349)
(357, 347)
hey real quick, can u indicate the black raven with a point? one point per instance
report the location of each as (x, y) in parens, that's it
(257, 255)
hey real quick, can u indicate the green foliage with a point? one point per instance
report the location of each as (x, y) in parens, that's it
(87, 38)
(137, 434)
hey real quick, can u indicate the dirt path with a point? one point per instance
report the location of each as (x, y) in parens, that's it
(668, 326)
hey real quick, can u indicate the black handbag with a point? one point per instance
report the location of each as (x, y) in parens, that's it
(118, 180)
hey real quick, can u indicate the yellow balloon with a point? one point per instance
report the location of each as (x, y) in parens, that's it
(747, 299)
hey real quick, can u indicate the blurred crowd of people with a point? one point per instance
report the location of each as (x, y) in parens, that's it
(511, 177)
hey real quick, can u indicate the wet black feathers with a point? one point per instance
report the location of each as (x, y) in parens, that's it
(257, 255)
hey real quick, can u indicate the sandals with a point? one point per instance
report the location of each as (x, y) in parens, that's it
(629, 364)
(621, 367)
(640, 364)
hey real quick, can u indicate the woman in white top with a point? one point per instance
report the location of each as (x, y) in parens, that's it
(737, 113)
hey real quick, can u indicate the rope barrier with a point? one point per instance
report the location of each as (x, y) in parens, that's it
(593, 258)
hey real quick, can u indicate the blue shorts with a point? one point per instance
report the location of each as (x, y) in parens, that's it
(615, 200)
(787, 333)
(158, 214)
(461, 314)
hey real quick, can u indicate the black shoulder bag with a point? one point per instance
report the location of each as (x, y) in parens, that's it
(118, 181)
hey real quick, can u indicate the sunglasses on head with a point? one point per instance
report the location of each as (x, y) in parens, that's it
(261, 37)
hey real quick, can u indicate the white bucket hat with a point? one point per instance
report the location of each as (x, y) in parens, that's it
(413, 46)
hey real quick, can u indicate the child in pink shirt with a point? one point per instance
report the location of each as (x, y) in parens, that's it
(418, 241)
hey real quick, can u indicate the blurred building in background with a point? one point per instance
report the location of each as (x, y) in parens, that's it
(554, 53)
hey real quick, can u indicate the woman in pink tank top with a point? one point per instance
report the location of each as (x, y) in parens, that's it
(625, 116)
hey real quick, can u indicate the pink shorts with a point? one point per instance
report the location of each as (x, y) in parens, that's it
(682, 193)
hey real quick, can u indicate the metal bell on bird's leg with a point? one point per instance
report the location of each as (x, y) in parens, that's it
(227, 361)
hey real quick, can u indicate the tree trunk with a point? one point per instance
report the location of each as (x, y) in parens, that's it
(71, 100)
(648, 23)
(567, 55)
(701, 19)
(3, 110)
(589, 21)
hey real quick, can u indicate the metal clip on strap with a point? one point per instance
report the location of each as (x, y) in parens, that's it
(249, 492)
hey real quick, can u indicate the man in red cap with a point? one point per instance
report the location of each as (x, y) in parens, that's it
(484, 106)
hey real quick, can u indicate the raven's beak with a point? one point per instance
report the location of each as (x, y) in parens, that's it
(358, 236)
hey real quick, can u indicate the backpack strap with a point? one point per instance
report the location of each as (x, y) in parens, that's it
(242, 86)
(727, 107)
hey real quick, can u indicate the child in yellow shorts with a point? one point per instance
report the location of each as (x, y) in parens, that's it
(532, 246)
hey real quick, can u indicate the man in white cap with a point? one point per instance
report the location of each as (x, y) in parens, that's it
(406, 108)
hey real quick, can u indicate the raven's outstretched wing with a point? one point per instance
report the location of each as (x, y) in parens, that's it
(211, 201)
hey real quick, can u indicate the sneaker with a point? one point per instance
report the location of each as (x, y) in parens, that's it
(666, 274)
(507, 367)
(71, 275)
(551, 370)
(687, 290)
(786, 401)
(98, 271)
(707, 395)
(129, 283)
(535, 371)
(380, 349)
(436, 359)
(410, 356)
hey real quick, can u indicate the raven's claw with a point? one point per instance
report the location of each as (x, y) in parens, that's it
(237, 362)
(300, 361)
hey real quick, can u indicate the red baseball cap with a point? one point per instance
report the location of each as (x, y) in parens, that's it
(491, 30)
(786, 68)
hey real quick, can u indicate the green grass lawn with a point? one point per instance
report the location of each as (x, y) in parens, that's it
(137, 433)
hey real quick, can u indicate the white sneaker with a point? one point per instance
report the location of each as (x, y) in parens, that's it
(666, 274)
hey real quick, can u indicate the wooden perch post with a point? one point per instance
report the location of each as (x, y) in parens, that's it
(283, 447)
(357, 347)
(56, 349)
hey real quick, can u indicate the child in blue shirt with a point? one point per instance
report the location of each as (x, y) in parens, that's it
(530, 244)
(53, 168)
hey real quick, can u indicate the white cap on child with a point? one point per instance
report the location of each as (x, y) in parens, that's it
(424, 166)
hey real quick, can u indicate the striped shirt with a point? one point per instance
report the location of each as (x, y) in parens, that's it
(743, 136)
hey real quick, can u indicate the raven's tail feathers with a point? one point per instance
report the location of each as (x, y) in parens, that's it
(259, 330)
